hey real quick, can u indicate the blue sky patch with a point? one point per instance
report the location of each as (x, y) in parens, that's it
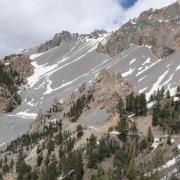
(127, 3)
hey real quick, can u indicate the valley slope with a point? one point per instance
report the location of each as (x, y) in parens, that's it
(62, 64)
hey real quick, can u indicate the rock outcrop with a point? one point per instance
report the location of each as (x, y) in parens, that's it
(159, 29)
(14, 70)
(64, 36)
(8, 99)
(21, 64)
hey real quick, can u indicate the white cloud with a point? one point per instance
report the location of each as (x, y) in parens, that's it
(142, 5)
(27, 23)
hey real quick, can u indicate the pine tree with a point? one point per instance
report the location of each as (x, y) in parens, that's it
(50, 146)
(123, 128)
(155, 116)
(121, 107)
(90, 151)
(78, 166)
(39, 159)
(79, 131)
(169, 140)
(130, 102)
(143, 104)
(132, 170)
(168, 94)
(150, 136)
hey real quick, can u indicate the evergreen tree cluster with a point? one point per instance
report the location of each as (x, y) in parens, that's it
(166, 112)
(97, 151)
(7, 78)
(136, 104)
(24, 172)
(68, 165)
(159, 95)
(79, 105)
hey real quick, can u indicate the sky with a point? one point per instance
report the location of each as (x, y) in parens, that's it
(28, 23)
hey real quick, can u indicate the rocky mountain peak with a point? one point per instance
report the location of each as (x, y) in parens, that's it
(159, 29)
(96, 34)
(67, 37)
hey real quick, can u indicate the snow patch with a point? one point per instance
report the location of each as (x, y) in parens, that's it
(146, 62)
(178, 68)
(141, 79)
(176, 99)
(178, 146)
(25, 115)
(147, 67)
(49, 90)
(132, 61)
(156, 143)
(148, 46)
(39, 72)
(142, 90)
(157, 84)
(3, 144)
(131, 115)
(151, 104)
(34, 56)
(130, 71)
(114, 132)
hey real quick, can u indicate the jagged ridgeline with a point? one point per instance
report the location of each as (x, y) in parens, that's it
(158, 29)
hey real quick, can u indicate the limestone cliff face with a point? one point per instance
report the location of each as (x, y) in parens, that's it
(14, 70)
(56, 40)
(159, 29)
(21, 64)
(8, 99)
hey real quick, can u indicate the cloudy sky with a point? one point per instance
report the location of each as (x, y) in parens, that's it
(27, 23)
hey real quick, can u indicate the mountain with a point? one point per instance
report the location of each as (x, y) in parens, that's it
(85, 79)
(158, 29)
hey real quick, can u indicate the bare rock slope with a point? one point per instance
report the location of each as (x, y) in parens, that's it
(62, 64)
(159, 29)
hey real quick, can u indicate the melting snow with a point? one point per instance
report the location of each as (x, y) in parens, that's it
(132, 115)
(148, 67)
(176, 99)
(142, 90)
(25, 115)
(50, 90)
(130, 71)
(2, 144)
(132, 61)
(178, 68)
(156, 143)
(142, 78)
(148, 46)
(39, 72)
(147, 61)
(114, 132)
(172, 141)
(34, 56)
(151, 104)
(168, 164)
(178, 146)
(157, 84)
